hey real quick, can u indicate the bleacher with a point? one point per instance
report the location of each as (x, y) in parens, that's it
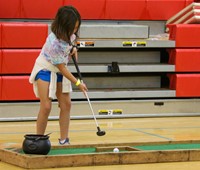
(127, 34)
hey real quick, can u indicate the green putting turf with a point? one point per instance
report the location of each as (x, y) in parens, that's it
(145, 147)
(72, 151)
(68, 151)
(169, 146)
(77, 151)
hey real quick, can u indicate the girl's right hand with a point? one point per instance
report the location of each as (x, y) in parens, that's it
(83, 87)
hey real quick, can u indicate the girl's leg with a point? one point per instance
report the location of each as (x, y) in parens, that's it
(45, 106)
(64, 101)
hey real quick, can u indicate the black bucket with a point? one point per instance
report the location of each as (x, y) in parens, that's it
(36, 144)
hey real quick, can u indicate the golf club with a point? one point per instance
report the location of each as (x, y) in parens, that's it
(99, 131)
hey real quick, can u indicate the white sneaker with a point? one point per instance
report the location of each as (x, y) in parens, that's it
(65, 142)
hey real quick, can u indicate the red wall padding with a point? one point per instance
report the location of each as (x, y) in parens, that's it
(164, 9)
(126, 9)
(40, 9)
(94, 9)
(23, 35)
(0, 60)
(0, 88)
(89, 9)
(186, 85)
(185, 35)
(10, 8)
(185, 60)
(0, 35)
(16, 88)
(17, 61)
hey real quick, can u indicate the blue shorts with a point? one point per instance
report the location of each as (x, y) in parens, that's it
(46, 74)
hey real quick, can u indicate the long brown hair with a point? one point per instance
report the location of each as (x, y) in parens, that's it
(64, 23)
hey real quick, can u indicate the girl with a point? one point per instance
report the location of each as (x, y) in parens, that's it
(50, 77)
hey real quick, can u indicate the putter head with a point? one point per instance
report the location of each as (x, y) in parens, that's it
(101, 133)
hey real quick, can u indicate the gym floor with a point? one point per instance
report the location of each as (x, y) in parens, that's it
(117, 131)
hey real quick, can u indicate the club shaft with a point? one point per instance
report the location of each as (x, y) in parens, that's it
(80, 76)
(77, 68)
(91, 109)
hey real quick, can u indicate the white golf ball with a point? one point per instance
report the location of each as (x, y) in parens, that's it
(116, 150)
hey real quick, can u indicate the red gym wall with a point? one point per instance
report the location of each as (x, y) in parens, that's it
(94, 9)
(20, 43)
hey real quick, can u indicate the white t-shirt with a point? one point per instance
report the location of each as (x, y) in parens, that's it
(56, 51)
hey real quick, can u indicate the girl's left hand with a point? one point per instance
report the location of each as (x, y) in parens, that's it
(74, 52)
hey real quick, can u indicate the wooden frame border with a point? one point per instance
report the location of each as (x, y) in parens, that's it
(135, 156)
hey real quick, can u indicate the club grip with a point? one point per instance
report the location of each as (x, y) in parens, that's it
(77, 68)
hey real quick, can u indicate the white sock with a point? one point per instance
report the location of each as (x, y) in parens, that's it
(62, 141)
